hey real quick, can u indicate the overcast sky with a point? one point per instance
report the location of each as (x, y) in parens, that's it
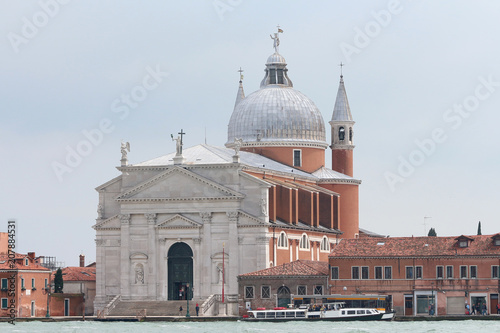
(422, 78)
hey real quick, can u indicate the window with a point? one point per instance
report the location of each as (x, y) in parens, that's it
(4, 284)
(32, 283)
(318, 290)
(304, 242)
(409, 272)
(335, 273)
(341, 133)
(355, 272)
(463, 243)
(22, 284)
(280, 76)
(249, 291)
(378, 272)
(418, 272)
(463, 272)
(283, 240)
(497, 241)
(495, 270)
(388, 272)
(4, 303)
(325, 245)
(265, 292)
(439, 272)
(364, 272)
(350, 133)
(301, 290)
(46, 283)
(26, 262)
(449, 272)
(297, 158)
(473, 272)
(272, 76)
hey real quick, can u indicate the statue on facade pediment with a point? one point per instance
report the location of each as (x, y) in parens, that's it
(263, 206)
(100, 211)
(238, 142)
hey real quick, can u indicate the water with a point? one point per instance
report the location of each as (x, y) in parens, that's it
(489, 326)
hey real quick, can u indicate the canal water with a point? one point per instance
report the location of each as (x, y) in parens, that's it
(489, 326)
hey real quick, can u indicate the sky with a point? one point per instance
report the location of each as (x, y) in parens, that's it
(78, 77)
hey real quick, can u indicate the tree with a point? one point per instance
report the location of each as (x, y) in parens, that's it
(432, 232)
(58, 281)
(479, 228)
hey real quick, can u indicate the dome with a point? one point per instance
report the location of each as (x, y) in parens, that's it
(277, 115)
(276, 58)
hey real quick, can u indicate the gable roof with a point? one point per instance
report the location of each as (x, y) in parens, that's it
(77, 274)
(206, 154)
(293, 269)
(369, 247)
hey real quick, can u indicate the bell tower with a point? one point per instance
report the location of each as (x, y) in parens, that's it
(342, 133)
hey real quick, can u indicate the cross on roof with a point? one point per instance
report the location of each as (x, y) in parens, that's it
(241, 74)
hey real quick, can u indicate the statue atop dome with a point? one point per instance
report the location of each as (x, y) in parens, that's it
(276, 39)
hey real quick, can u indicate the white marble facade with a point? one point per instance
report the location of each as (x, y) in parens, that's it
(148, 209)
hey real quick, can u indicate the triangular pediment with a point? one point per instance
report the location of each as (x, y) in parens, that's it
(245, 219)
(179, 184)
(178, 222)
(112, 223)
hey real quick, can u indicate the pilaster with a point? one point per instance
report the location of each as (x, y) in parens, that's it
(125, 255)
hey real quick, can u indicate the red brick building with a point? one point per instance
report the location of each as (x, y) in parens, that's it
(275, 286)
(417, 272)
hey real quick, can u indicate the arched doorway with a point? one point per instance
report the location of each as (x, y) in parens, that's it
(283, 296)
(180, 272)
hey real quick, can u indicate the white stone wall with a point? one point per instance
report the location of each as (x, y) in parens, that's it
(140, 224)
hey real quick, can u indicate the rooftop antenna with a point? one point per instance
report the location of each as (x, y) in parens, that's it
(341, 65)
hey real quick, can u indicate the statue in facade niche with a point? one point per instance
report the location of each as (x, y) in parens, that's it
(139, 274)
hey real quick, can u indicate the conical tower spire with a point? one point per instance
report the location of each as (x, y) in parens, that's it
(342, 132)
(241, 94)
(341, 110)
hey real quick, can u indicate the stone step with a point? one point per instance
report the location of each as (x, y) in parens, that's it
(154, 308)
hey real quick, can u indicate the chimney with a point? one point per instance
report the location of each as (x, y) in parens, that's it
(31, 255)
(82, 260)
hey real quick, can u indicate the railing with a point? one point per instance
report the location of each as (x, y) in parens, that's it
(141, 314)
(110, 306)
(208, 303)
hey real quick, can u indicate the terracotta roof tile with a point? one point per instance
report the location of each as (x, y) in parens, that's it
(294, 268)
(414, 246)
(19, 263)
(77, 274)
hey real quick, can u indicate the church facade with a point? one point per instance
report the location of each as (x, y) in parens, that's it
(186, 224)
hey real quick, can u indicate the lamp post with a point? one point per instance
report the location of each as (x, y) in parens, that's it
(187, 300)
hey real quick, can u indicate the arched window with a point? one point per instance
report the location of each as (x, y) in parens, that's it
(304, 242)
(341, 133)
(350, 133)
(325, 244)
(283, 240)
